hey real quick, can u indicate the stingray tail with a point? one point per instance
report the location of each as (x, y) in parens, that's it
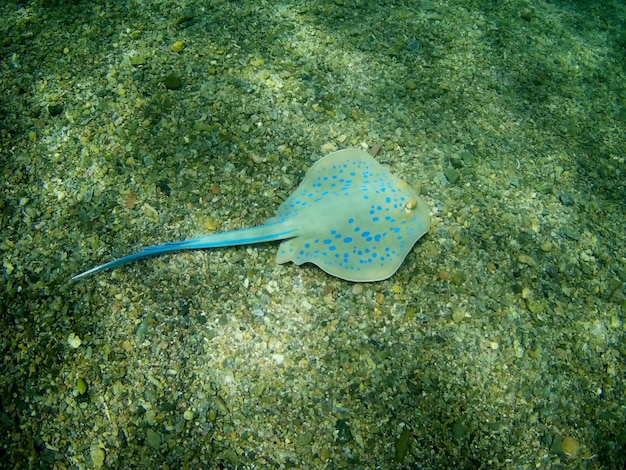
(263, 233)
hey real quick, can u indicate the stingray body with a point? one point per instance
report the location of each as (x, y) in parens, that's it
(350, 216)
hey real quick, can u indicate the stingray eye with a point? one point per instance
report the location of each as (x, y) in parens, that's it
(409, 206)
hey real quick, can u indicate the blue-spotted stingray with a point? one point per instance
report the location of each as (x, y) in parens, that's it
(350, 216)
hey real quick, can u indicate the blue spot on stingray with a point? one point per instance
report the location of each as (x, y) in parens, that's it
(332, 247)
(350, 220)
(365, 234)
(327, 241)
(347, 239)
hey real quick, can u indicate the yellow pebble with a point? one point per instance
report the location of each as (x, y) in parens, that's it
(210, 224)
(527, 260)
(570, 447)
(546, 246)
(178, 46)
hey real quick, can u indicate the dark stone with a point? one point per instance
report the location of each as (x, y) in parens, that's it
(553, 272)
(173, 82)
(55, 109)
(413, 45)
(165, 187)
(344, 435)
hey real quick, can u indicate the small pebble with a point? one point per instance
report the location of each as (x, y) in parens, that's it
(458, 430)
(458, 315)
(546, 247)
(570, 446)
(572, 234)
(203, 127)
(178, 46)
(413, 45)
(344, 435)
(97, 456)
(131, 201)
(553, 272)
(328, 147)
(172, 82)
(188, 415)
(74, 341)
(402, 445)
(81, 386)
(153, 439)
(127, 346)
(452, 175)
(357, 289)
(527, 260)
(55, 109)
